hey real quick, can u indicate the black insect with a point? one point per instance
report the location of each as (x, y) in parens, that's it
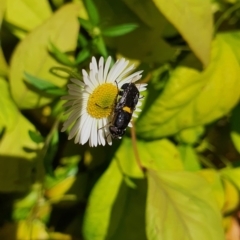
(125, 106)
(129, 97)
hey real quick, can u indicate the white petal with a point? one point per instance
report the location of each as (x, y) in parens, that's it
(100, 71)
(116, 70)
(77, 138)
(106, 68)
(93, 65)
(93, 79)
(72, 118)
(135, 115)
(105, 124)
(141, 85)
(87, 91)
(138, 74)
(124, 73)
(83, 120)
(100, 133)
(69, 103)
(74, 129)
(132, 78)
(86, 130)
(84, 73)
(74, 87)
(88, 82)
(93, 136)
(69, 97)
(130, 124)
(77, 82)
(109, 139)
(73, 92)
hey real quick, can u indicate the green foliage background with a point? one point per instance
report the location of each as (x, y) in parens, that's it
(187, 136)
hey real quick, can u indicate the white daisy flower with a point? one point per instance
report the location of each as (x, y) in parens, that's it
(91, 102)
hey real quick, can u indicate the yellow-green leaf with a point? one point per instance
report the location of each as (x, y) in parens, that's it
(3, 64)
(215, 182)
(180, 205)
(32, 55)
(157, 155)
(190, 135)
(3, 5)
(98, 213)
(232, 174)
(34, 229)
(26, 14)
(231, 202)
(193, 19)
(231, 180)
(9, 111)
(189, 157)
(17, 151)
(191, 98)
(233, 38)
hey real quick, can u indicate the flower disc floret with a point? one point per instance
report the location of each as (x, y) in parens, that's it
(101, 102)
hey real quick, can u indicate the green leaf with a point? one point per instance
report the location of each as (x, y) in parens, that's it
(17, 154)
(43, 85)
(92, 12)
(38, 82)
(26, 15)
(24, 205)
(9, 111)
(190, 135)
(119, 30)
(35, 136)
(128, 213)
(60, 56)
(145, 43)
(100, 45)
(190, 158)
(129, 182)
(98, 213)
(180, 205)
(191, 98)
(32, 56)
(233, 38)
(82, 41)
(51, 148)
(193, 19)
(83, 55)
(64, 72)
(85, 24)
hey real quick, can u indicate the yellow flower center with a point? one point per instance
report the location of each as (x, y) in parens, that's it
(102, 100)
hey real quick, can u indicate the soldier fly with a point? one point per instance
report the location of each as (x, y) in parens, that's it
(129, 95)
